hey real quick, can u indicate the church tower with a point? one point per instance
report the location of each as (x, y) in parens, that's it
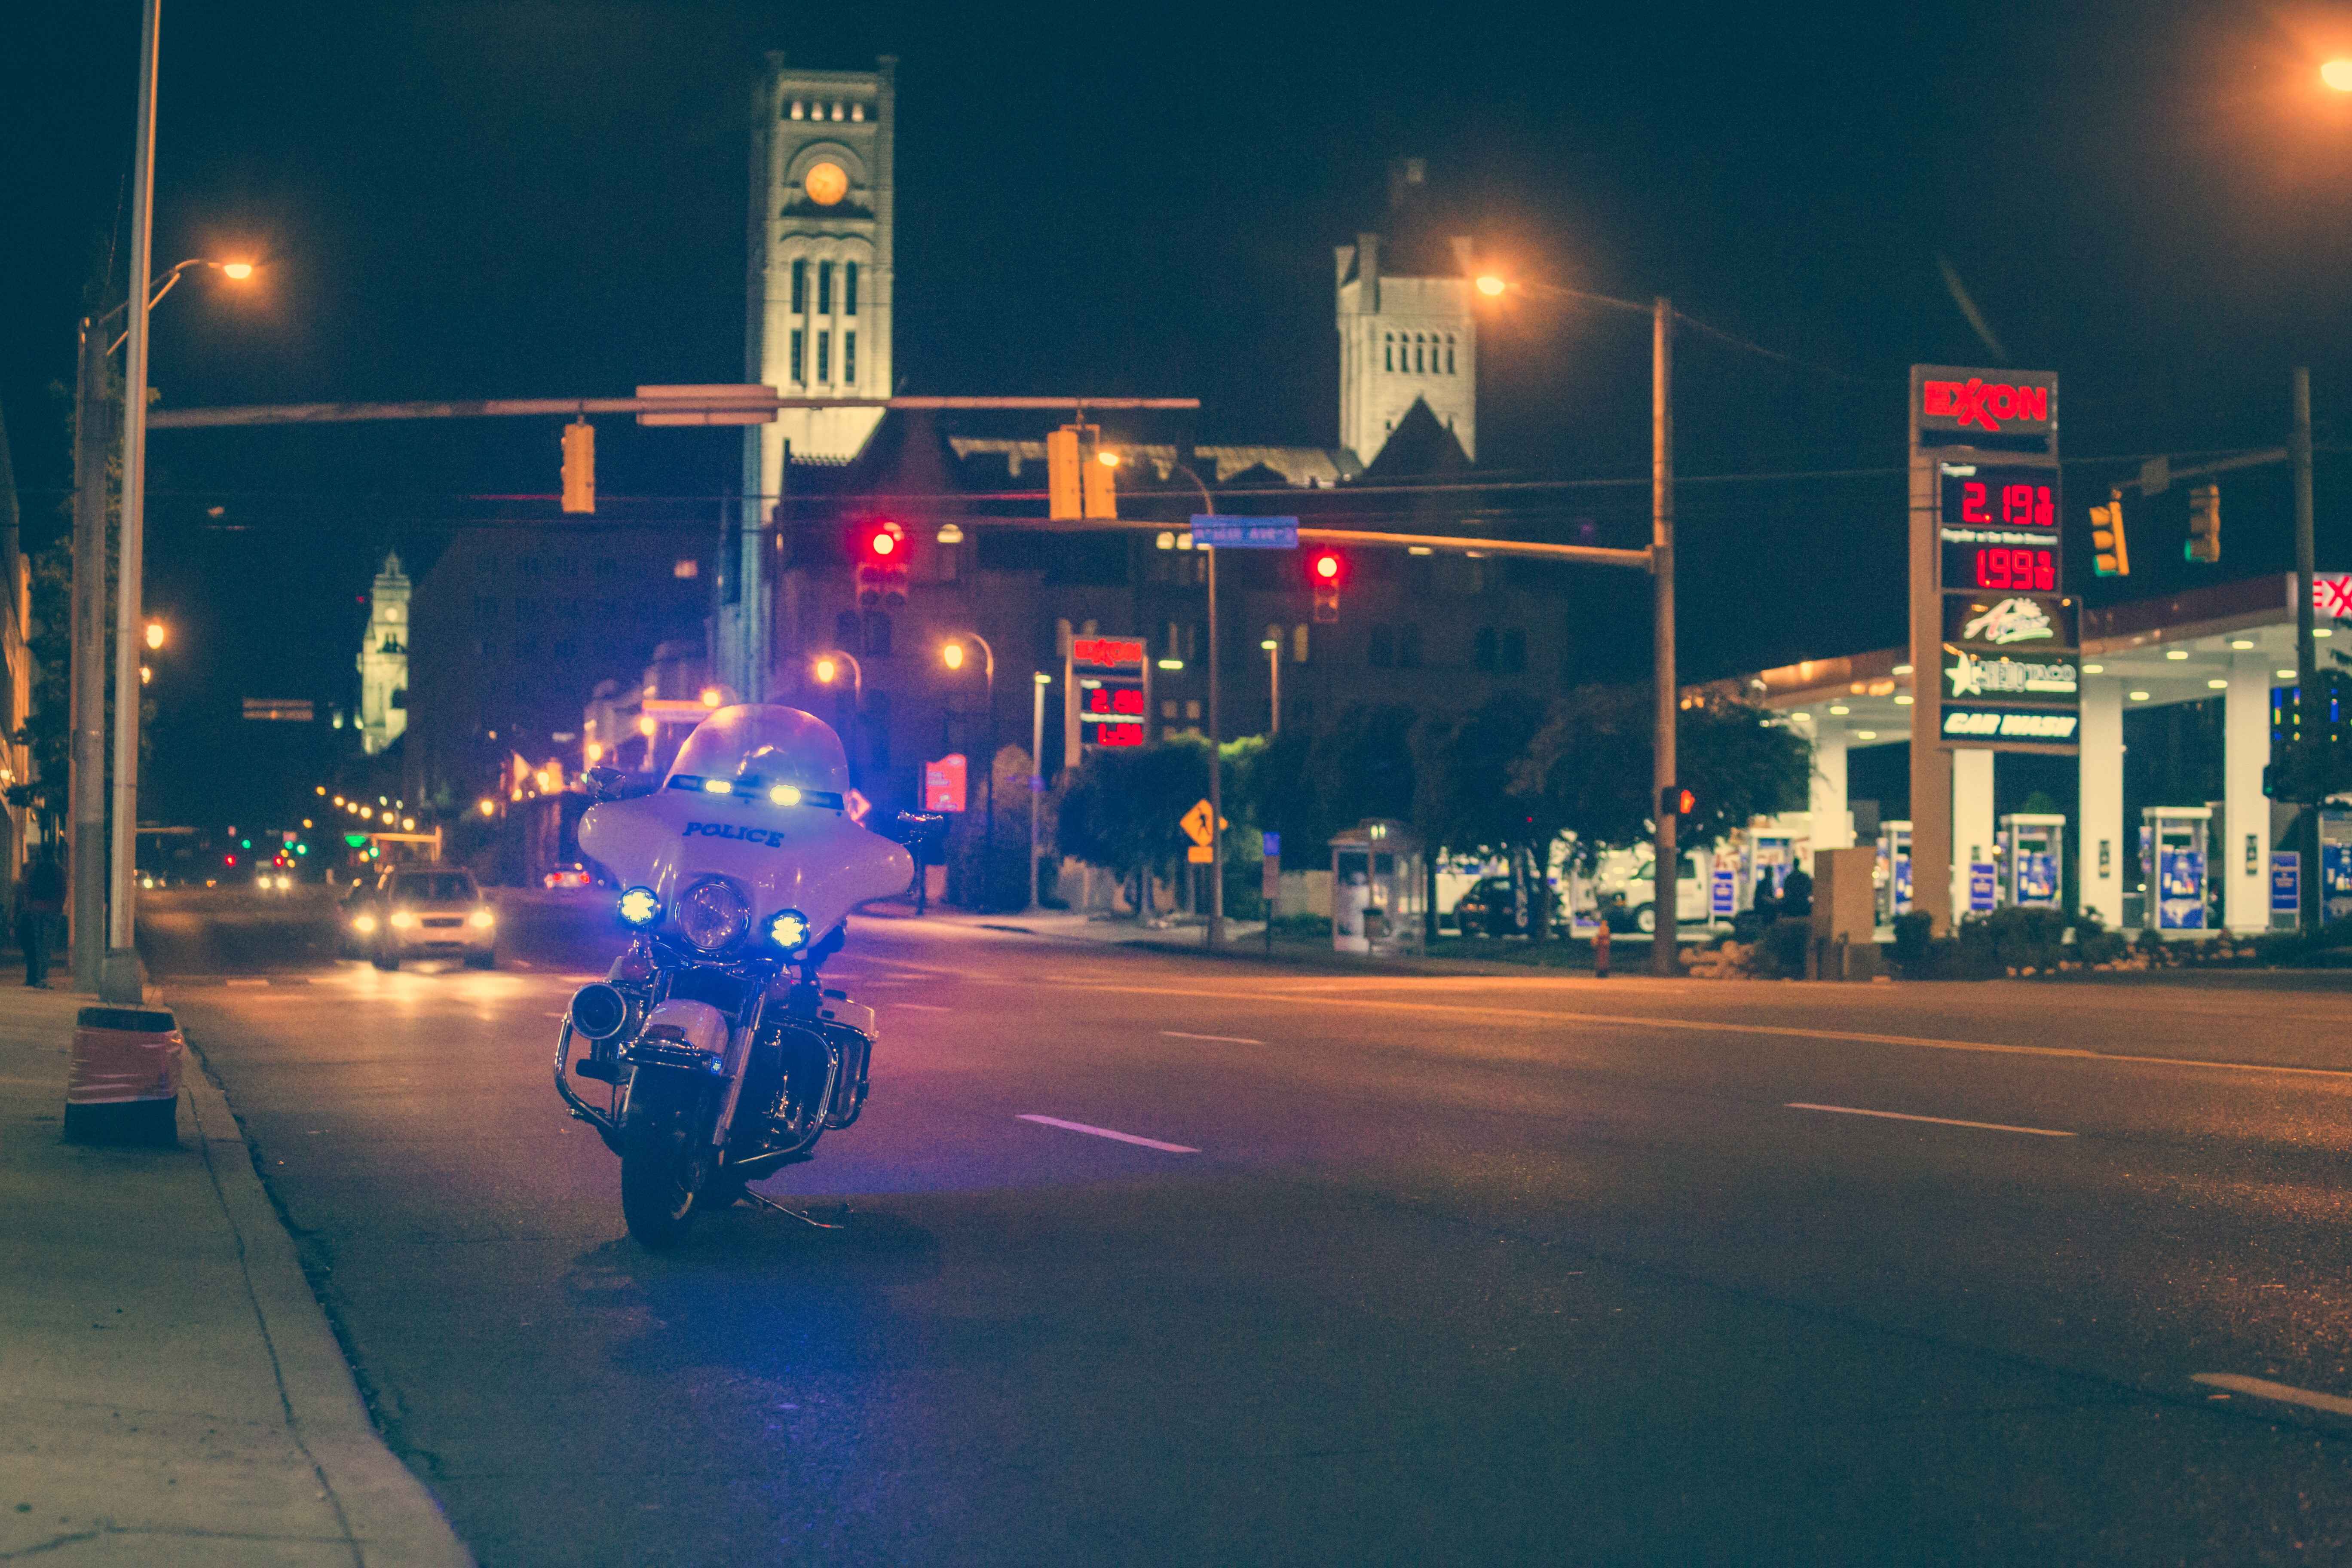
(1407, 329)
(383, 661)
(820, 258)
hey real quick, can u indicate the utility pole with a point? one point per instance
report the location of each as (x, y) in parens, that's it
(120, 981)
(2309, 712)
(1037, 769)
(93, 435)
(1664, 903)
(1216, 784)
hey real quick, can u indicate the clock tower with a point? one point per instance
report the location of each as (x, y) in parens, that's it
(821, 269)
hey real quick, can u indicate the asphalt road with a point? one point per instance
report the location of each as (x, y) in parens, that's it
(1423, 1269)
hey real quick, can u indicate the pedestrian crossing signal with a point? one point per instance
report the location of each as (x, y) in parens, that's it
(1675, 800)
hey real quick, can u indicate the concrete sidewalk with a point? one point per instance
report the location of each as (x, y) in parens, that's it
(169, 1391)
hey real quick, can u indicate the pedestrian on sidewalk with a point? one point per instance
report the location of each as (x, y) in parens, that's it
(40, 899)
(1797, 895)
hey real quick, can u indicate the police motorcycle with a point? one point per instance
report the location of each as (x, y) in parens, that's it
(720, 1054)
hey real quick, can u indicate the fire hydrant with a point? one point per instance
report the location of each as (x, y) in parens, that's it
(1600, 951)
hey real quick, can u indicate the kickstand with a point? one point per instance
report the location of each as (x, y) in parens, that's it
(774, 1207)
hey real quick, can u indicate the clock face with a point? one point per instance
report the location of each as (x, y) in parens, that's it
(825, 183)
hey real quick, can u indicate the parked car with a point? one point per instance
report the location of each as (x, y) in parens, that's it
(1492, 908)
(574, 875)
(427, 913)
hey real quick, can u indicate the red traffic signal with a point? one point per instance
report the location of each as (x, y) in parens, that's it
(881, 565)
(1327, 574)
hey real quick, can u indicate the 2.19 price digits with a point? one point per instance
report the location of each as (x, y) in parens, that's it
(2021, 568)
(1991, 504)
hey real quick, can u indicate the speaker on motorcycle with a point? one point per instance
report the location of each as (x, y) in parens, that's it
(599, 1011)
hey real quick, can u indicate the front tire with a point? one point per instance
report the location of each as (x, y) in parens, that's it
(664, 1165)
(387, 958)
(481, 961)
(1645, 919)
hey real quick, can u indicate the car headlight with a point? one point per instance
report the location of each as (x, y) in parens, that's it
(712, 914)
(788, 929)
(402, 920)
(480, 920)
(640, 907)
(363, 924)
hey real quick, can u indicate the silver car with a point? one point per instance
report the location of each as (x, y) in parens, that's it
(426, 913)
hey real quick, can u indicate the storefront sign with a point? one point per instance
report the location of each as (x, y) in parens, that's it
(1982, 880)
(2016, 726)
(1998, 403)
(2010, 620)
(1997, 675)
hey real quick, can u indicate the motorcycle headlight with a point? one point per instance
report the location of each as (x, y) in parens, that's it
(712, 914)
(788, 929)
(640, 907)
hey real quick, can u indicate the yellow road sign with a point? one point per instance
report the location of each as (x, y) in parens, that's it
(1195, 823)
(1200, 853)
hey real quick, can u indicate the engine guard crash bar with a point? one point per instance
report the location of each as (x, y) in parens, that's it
(580, 1109)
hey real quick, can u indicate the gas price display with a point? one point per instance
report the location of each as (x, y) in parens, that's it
(1983, 497)
(1113, 714)
(2000, 568)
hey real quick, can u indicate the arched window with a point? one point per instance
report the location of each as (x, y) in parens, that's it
(849, 288)
(1388, 351)
(1416, 353)
(1449, 353)
(799, 287)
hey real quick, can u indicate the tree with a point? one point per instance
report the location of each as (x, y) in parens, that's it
(1122, 808)
(1592, 762)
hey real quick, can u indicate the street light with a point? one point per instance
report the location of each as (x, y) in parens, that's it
(827, 667)
(1038, 682)
(235, 271)
(2337, 74)
(1660, 311)
(952, 654)
(156, 634)
(1273, 647)
(1214, 932)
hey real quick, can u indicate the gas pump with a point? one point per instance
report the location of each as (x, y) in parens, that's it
(2334, 864)
(2032, 847)
(2172, 839)
(1769, 855)
(1891, 878)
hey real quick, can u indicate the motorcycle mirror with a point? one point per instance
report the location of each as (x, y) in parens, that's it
(910, 827)
(604, 783)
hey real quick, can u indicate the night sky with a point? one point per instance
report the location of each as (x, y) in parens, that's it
(535, 199)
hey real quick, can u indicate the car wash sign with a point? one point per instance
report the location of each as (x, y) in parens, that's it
(1993, 631)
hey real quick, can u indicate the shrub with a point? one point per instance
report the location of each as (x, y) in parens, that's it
(1779, 953)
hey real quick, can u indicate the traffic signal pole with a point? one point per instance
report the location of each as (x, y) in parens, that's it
(2306, 653)
(1664, 905)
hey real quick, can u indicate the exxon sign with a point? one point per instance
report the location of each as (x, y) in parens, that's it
(1989, 402)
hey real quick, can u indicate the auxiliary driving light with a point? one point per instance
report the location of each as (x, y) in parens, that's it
(785, 795)
(640, 907)
(599, 1011)
(788, 929)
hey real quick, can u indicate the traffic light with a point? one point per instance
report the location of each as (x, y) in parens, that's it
(1077, 480)
(881, 566)
(580, 466)
(1675, 801)
(2110, 557)
(2204, 524)
(1327, 574)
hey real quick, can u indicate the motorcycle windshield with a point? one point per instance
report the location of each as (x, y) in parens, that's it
(766, 742)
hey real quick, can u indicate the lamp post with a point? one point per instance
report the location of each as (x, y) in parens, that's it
(1038, 682)
(1273, 647)
(93, 437)
(951, 654)
(827, 667)
(1660, 311)
(1215, 933)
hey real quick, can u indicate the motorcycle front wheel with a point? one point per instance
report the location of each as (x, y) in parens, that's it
(665, 1164)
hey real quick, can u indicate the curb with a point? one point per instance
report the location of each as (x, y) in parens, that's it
(392, 1518)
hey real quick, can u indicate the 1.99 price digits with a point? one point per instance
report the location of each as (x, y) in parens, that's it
(2021, 568)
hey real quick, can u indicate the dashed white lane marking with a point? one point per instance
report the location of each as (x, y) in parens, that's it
(2284, 1393)
(1938, 1120)
(1222, 1040)
(237, 981)
(1107, 1132)
(917, 1006)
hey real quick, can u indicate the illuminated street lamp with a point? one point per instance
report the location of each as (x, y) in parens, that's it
(2337, 75)
(154, 634)
(711, 696)
(1273, 647)
(827, 667)
(1492, 286)
(952, 654)
(487, 807)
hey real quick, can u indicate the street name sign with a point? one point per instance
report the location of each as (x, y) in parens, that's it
(1245, 532)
